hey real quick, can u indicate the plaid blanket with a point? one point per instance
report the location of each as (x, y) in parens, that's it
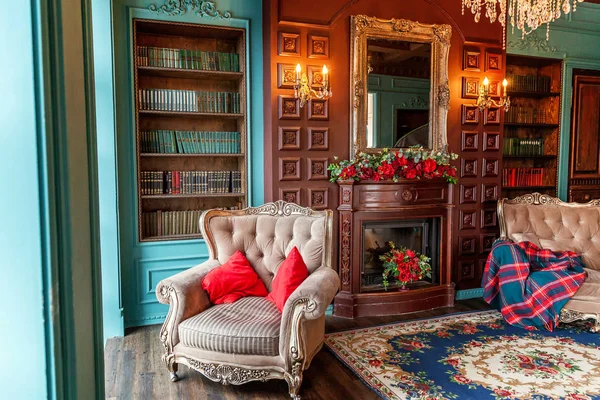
(530, 285)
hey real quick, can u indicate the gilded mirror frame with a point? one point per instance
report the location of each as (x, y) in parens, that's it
(364, 27)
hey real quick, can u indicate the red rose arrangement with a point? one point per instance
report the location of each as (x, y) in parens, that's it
(410, 163)
(404, 265)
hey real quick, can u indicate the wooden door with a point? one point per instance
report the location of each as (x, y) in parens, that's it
(584, 169)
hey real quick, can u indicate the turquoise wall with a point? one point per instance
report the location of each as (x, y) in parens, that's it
(51, 329)
(22, 327)
(107, 168)
(574, 38)
(143, 265)
(390, 94)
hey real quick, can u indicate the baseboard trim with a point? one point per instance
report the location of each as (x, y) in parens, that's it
(469, 294)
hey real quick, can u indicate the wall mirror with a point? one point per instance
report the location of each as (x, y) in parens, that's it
(400, 84)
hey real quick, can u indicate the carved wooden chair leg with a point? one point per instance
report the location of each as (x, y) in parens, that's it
(294, 381)
(173, 372)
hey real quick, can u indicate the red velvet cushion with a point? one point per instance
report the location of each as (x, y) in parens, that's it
(233, 280)
(290, 275)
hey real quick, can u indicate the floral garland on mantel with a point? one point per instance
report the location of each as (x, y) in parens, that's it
(410, 163)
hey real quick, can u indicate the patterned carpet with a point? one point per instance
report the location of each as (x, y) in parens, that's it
(472, 356)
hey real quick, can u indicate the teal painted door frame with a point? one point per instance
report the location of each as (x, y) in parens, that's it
(52, 322)
(143, 265)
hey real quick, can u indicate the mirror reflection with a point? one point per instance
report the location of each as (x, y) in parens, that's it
(398, 101)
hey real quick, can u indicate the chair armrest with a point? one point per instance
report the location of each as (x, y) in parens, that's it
(184, 293)
(318, 289)
(308, 302)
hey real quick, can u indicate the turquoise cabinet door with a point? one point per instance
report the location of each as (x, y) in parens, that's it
(143, 265)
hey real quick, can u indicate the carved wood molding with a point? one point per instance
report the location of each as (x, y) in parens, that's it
(364, 27)
(202, 8)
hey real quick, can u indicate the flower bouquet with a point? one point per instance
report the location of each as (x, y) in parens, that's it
(404, 265)
(410, 163)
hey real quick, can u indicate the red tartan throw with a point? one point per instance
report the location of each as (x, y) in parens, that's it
(530, 285)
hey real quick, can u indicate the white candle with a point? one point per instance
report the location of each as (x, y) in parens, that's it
(298, 69)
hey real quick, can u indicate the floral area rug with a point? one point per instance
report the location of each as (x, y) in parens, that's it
(472, 356)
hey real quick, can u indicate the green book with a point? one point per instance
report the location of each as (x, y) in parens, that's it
(195, 142)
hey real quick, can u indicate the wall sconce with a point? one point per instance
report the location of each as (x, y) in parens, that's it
(485, 101)
(304, 92)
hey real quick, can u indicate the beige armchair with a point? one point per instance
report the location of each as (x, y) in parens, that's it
(250, 339)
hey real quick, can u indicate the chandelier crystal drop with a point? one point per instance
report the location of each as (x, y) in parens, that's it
(526, 15)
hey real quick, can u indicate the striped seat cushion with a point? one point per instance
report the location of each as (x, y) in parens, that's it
(248, 326)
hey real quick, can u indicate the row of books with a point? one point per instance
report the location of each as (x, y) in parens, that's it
(188, 101)
(187, 59)
(523, 147)
(529, 83)
(527, 115)
(190, 182)
(170, 223)
(512, 177)
(174, 223)
(190, 142)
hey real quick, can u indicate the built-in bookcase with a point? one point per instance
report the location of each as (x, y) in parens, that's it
(532, 126)
(191, 125)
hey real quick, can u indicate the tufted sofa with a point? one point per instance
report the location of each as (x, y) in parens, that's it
(250, 339)
(552, 224)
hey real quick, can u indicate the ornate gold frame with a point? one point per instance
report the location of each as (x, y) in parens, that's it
(538, 199)
(363, 27)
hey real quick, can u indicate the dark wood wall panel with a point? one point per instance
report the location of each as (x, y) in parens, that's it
(303, 145)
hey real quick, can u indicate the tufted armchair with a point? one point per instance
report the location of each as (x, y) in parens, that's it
(553, 224)
(250, 339)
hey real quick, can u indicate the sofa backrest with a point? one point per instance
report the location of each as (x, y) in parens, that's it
(266, 235)
(553, 224)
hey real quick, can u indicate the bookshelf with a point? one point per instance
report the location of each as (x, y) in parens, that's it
(530, 151)
(191, 125)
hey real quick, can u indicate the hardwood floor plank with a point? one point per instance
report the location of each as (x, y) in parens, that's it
(134, 369)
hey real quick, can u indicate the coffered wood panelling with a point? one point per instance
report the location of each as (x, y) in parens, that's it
(331, 19)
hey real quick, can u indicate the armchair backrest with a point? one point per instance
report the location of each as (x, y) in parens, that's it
(553, 224)
(266, 235)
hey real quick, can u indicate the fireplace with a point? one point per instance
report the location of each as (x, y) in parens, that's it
(414, 214)
(420, 235)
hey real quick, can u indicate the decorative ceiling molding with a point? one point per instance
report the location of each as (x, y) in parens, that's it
(202, 8)
(532, 42)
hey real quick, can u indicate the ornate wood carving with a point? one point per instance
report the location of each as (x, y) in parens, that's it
(317, 169)
(318, 198)
(467, 219)
(202, 8)
(289, 138)
(229, 375)
(467, 245)
(289, 168)
(345, 229)
(318, 138)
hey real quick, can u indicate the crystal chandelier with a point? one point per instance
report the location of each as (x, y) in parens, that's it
(527, 15)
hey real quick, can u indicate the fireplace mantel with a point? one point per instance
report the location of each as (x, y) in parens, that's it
(363, 202)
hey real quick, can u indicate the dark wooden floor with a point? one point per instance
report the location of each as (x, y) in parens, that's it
(134, 369)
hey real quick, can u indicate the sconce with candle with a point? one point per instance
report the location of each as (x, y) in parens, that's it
(304, 92)
(486, 101)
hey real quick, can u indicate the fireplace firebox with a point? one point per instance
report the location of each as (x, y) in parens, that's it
(413, 214)
(420, 235)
